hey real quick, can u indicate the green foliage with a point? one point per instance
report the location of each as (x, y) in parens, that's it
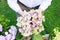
(18, 36)
(52, 17)
(7, 16)
(4, 21)
(37, 37)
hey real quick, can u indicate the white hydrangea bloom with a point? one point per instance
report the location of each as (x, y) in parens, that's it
(1, 28)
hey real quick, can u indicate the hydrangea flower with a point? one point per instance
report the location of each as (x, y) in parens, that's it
(10, 35)
(30, 23)
(13, 31)
(2, 37)
(1, 28)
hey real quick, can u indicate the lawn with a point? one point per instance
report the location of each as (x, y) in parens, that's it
(7, 16)
(52, 17)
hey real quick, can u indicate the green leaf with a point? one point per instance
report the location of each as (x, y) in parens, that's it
(18, 36)
(37, 37)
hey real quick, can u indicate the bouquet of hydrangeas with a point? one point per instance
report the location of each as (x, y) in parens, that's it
(31, 23)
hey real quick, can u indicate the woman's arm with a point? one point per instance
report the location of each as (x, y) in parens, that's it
(45, 4)
(14, 5)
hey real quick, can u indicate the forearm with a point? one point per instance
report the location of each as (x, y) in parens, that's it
(14, 5)
(45, 4)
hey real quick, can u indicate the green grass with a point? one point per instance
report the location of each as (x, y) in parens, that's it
(52, 15)
(7, 16)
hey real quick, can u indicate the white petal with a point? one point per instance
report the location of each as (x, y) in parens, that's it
(1, 28)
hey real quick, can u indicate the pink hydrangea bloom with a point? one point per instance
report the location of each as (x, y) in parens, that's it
(30, 23)
(35, 13)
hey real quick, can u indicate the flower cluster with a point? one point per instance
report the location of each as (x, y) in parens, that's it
(31, 22)
(10, 35)
(57, 34)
